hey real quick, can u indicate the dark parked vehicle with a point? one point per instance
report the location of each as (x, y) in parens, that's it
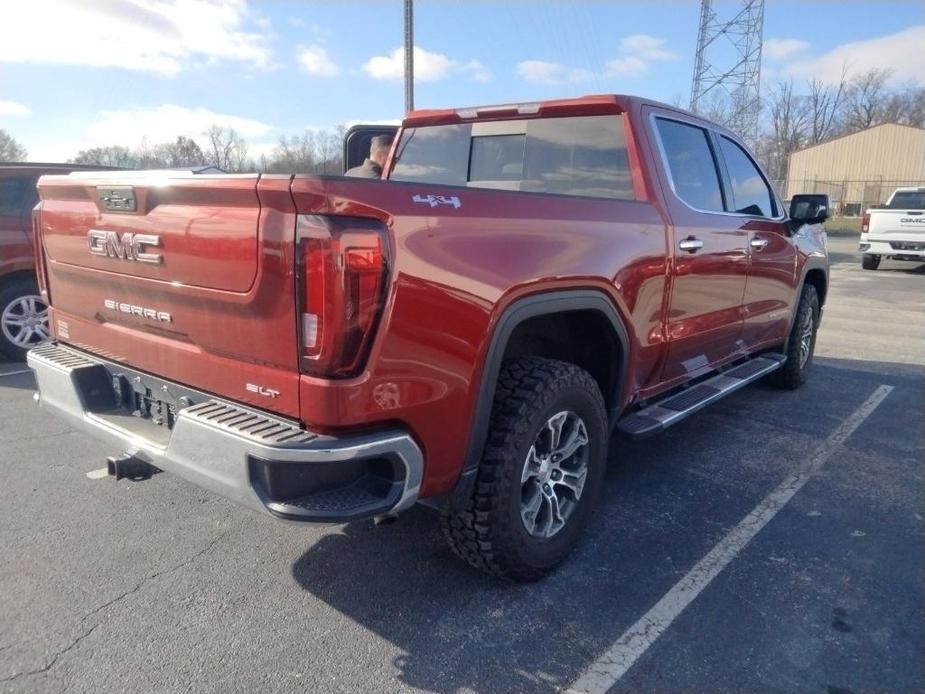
(23, 313)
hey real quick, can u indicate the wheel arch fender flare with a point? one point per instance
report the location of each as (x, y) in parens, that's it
(531, 306)
(811, 265)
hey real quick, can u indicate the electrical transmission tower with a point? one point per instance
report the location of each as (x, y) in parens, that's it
(727, 66)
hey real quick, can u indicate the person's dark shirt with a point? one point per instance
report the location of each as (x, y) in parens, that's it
(368, 169)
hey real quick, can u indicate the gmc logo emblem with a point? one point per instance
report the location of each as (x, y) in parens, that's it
(128, 246)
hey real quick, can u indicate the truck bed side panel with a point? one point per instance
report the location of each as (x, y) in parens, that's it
(456, 268)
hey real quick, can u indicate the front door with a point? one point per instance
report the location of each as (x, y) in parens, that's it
(770, 289)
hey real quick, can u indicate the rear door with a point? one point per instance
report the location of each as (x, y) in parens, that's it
(709, 251)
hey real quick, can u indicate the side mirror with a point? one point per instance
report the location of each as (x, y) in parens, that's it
(809, 208)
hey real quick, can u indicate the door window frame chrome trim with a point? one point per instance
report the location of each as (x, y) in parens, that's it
(711, 133)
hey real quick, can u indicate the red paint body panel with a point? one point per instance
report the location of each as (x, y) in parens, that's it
(229, 281)
(16, 250)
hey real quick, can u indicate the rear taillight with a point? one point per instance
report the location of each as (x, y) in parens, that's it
(865, 222)
(344, 275)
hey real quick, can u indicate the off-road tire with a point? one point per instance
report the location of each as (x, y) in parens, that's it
(490, 534)
(10, 291)
(870, 261)
(795, 370)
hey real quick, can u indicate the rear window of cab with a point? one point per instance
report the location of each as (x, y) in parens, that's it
(581, 155)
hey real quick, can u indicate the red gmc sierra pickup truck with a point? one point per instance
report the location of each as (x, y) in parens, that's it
(469, 332)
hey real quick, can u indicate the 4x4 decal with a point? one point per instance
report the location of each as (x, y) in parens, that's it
(434, 200)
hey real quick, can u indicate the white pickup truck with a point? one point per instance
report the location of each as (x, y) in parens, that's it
(896, 230)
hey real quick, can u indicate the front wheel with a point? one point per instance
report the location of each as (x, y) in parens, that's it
(802, 342)
(23, 318)
(870, 262)
(541, 472)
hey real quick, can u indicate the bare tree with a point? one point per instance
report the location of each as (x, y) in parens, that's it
(330, 146)
(906, 106)
(183, 153)
(10, 149)
(717, 107)
(293, 155)
(226, 149)
(112, 155)
(789, 117)
(825, 106)
(866, 97)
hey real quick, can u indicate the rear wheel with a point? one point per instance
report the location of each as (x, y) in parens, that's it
(870, 262)
(802, 342)
(540, 474)
(23, 318)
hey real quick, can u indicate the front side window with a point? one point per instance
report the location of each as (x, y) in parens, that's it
(438, 154)
(750, 194)
(691, 164)
(583, 155)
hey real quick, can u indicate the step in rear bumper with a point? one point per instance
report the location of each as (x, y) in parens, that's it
(242, 454)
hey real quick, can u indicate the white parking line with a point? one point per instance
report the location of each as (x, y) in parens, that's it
(16, 373)
(616, 660)
(98, 474)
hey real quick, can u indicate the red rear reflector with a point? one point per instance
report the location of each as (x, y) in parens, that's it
(344, 273)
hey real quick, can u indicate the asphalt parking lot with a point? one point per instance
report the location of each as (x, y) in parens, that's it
(157, 586)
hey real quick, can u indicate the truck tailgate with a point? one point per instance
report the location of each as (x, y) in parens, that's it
(190, 278)
(897, 225)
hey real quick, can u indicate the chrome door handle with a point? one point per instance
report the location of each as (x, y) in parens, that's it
(690, 244)
(758, 243)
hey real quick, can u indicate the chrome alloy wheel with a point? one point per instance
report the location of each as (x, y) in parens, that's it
(806, 338)
(25, 321)
(554, 475)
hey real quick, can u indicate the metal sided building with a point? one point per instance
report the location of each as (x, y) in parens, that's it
(861, 169)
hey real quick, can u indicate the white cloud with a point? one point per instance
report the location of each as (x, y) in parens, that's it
(636, 53)
(315, 61)
(630, 66)
(782, 49)
(634, 56)
(645, 47)
(163, 124)
(543, 72)
(902, 52)
(161, 36)
(479, 72)
(428, 66)
(14, 108)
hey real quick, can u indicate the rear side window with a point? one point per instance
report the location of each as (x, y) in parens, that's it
(437, 154)
(583, 155)
(17, 193)
(750, 193)
(908, 200)
(691, 164)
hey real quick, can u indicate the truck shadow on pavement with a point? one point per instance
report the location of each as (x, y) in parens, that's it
(667, 501)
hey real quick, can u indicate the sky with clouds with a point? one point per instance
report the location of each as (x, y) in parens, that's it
(83, 73)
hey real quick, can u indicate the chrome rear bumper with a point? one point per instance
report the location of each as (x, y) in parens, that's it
(258, 460)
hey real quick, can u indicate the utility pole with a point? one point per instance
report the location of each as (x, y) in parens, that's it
(409, 55)
(737, 72)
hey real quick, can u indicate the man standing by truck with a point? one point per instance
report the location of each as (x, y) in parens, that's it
(379, 147)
